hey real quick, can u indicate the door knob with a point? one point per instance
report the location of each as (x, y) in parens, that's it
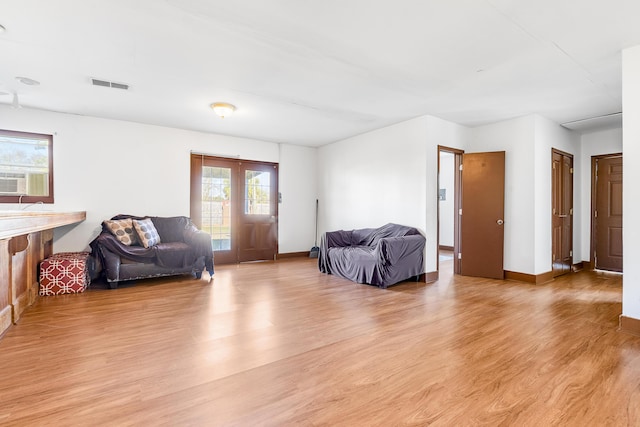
(500, 222)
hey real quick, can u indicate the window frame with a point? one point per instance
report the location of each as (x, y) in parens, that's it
(23, 198)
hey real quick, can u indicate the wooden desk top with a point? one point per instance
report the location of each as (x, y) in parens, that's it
(16, 223)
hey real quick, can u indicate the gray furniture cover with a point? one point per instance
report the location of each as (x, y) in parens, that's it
(183, 250)
(376, 256)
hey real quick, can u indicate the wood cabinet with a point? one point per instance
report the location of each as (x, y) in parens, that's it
(26, 238)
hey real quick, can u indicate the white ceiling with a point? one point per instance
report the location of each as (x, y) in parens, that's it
(313, 72)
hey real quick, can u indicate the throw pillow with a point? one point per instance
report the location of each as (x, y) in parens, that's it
(147, 232)
(123, 230)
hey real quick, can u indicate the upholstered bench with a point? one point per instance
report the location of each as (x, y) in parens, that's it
(65, 273)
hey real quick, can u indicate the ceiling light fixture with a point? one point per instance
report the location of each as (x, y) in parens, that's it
(223, 109)
(27, 81)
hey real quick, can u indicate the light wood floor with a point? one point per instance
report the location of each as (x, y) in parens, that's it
(282, 344)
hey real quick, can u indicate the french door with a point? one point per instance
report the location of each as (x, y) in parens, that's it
(236, 202)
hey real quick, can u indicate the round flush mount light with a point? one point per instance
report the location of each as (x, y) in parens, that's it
(223, 109)
(27, 81)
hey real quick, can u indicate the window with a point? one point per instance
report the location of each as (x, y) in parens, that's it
(257, 189)
(26, 167)
(216, 206)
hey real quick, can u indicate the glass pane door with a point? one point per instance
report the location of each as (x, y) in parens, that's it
(257, 197)
(216, 206)
(214, 201)
(236, 202)
(257, 222)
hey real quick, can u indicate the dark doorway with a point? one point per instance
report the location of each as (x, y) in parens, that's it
(449, 201)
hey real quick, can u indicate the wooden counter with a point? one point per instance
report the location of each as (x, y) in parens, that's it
(26, 238)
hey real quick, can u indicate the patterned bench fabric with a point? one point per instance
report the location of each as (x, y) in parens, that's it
(64, 273)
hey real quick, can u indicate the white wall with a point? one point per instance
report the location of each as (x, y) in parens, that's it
(593, 144)
(516, 137)
(299, 189)
(107, 167)
(527, 142)
(359, 172)
(387, 175)
(631, 177)
(447, 181)
(375, 178)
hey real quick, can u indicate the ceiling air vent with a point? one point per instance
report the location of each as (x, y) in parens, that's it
(105, 83)
(119, 85)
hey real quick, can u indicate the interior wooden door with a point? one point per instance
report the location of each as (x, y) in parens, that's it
(236, 202)
(257, 211)
(608, 214)
(482, 219)
(562, 212)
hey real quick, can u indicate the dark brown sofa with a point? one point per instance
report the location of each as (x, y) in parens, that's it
(183, 249)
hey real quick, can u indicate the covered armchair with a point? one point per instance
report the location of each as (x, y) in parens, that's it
(168, 246)
(376, 256)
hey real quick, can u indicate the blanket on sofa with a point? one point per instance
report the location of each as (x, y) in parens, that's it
(377, 256)
(181, 243)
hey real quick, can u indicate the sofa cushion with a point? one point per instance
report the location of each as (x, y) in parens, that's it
(146, 232)
(170, 229)
(123, 230)
(175, 254)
